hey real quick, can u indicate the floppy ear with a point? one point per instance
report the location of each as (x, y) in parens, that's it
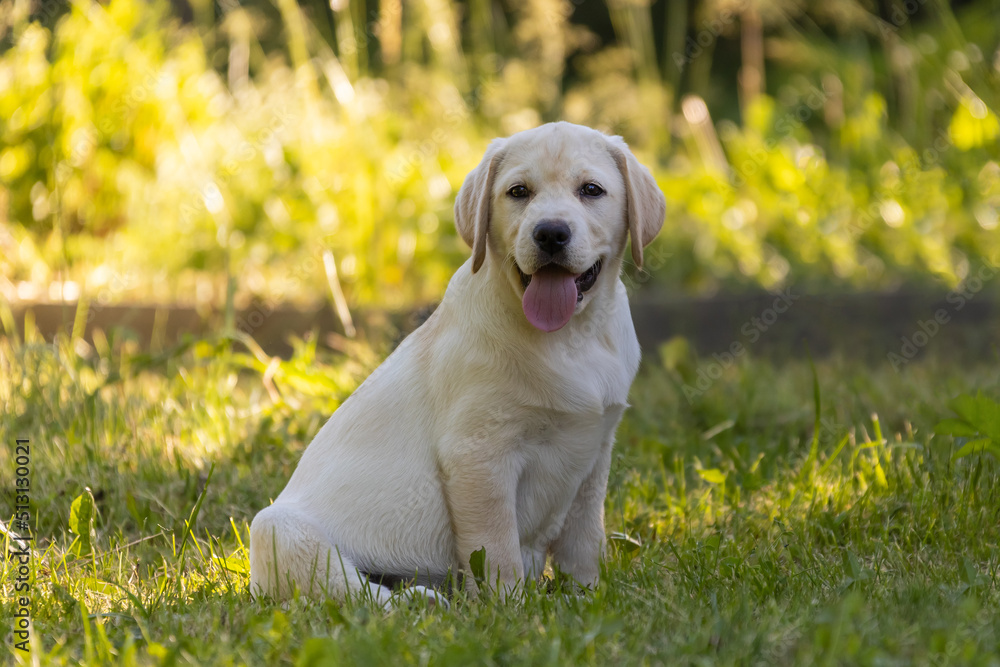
(473, 205)
(646, 204)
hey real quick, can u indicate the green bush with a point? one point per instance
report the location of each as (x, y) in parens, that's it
(166, 160)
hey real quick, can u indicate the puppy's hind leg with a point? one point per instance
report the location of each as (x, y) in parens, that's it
(287, 550)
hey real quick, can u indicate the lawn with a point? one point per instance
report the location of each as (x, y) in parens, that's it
(739, 532)
(252, 156)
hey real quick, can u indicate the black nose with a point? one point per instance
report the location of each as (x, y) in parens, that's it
(551, 236)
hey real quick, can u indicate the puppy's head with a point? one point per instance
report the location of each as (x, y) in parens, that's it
(554, 207)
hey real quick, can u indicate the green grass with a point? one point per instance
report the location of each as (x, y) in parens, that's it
(762, 541)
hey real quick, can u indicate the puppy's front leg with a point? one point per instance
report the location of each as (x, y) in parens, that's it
(578, 549)
(480, 488)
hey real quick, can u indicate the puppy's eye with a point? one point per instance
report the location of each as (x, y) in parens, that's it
(518, 191)
(592, 190)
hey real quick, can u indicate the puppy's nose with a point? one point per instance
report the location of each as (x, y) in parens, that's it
(551, 236)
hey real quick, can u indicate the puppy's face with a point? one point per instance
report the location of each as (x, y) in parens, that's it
(559, 212)
(555, 206)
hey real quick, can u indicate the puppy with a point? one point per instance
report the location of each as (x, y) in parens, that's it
(491, 426)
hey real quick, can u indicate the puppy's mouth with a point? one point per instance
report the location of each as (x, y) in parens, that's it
(552, 292)
(584, 281)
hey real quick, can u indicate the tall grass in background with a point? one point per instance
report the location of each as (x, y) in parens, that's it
(146, 158)
(219, 153)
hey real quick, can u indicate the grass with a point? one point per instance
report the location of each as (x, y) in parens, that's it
(764, 540)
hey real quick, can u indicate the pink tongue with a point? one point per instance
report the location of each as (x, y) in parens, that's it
(550, 299)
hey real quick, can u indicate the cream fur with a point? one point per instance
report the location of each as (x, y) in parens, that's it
(480, 430)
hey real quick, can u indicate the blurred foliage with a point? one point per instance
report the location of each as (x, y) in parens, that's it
(147, 158)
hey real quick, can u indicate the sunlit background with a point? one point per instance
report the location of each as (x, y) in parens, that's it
(186, 186)
(212, 153)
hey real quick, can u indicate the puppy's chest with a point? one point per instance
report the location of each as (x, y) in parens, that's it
(557, 452)
(550, 434)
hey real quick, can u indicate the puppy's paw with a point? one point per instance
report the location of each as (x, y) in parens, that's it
(432, 597)
(417, 596)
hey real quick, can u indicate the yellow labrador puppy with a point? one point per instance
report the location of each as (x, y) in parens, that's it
(491, 426)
